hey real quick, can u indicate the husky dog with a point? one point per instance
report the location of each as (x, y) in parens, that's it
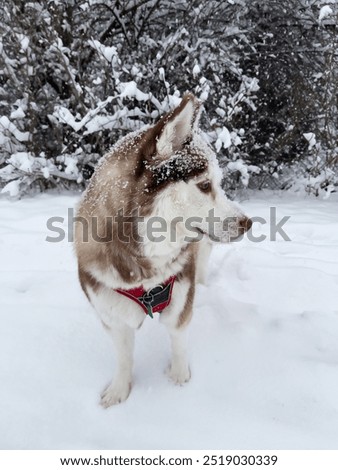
(165, 175)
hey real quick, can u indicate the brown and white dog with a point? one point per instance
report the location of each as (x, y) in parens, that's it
(165, 175)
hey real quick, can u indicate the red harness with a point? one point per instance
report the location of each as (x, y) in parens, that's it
(153, 300)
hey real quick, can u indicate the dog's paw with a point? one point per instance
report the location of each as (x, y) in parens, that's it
(179, 375)
(115, 393)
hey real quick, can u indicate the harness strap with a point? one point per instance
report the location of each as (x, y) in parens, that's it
(154, 300)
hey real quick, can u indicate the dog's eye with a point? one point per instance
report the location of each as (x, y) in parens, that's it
(204, 186)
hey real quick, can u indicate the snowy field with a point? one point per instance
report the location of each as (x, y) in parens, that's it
(263, 343)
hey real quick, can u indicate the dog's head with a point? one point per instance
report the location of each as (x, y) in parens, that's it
(184, 177)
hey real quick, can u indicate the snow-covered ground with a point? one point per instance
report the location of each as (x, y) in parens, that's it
(263, 343)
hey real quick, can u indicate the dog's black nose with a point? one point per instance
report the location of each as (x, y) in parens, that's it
(245, 224)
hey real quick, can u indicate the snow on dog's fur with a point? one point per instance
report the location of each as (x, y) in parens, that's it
(167, 172)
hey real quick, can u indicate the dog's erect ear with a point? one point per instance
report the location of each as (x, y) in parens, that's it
(178, 126)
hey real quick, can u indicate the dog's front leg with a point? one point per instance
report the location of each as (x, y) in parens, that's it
(119, 389)
(176, 319)
(179, 370)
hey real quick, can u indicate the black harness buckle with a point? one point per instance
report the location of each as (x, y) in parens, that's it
(155, 296)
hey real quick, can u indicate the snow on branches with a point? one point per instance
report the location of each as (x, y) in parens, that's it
(76, 76)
